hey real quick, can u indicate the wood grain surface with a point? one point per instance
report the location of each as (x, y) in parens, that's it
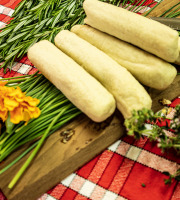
(162, 7)
(57, 160)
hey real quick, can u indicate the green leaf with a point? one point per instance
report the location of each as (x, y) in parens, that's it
(166, 173)
(12, 54)
(3, 45)
(19, 7)
(56, 19)
(49, 21)
(36, 7)
(71, 5)
(41, 23)
(167, 181)
(29, 4)
(25, 22)
(143, 185)
(17, 37)
(9, 125)
(37, 18)
(13, 46)
(5, 31)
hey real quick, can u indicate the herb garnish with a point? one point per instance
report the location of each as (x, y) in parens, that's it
(136, 127)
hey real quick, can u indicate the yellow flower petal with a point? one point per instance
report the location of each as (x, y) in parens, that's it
(21, 107)
(30, 108)
(4, 114)
(16, 115)
(36, 113)
(17, 93)
(1, 104)
(31, 101)
(10, 104)
(26, 116)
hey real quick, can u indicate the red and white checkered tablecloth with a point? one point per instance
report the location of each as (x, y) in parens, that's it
(128, 169)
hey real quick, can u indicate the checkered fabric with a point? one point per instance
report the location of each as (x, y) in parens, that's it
(128, 169)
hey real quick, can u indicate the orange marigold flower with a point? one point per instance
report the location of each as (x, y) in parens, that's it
(20, 106)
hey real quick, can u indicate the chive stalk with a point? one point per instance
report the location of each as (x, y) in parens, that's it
(168, 10)
(153, 8)
(35, 151)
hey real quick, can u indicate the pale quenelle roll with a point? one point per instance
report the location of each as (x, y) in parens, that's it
(145, 33)
(147, 68)
(83, 90)
(127, 91)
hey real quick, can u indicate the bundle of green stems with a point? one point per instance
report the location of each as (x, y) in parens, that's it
(56, 111)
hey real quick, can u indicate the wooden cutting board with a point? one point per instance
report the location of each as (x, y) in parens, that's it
(162, 7)
(57, 160)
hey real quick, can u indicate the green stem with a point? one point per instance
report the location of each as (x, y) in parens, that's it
(139, 5)
(142, 7)
(15, 77)
(33, 154)
(54, 128)
(50, 100)
(134, 6)
(38, 88)
(18, 158)
(169, 10)
(176, 145)
(173, 12)
(174, 15)
(23, 131)
(34, 84)
(153, 8)
(40, 131)
(16, 81)
(32, 77)
(124, 2)
(50, 92)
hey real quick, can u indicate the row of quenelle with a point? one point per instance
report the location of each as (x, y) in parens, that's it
(98, 72)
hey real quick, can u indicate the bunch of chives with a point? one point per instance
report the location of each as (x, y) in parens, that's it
(54, 106)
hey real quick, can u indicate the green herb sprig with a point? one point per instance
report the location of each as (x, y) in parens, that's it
(34, 21)
(136, 126)
(175, 176)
